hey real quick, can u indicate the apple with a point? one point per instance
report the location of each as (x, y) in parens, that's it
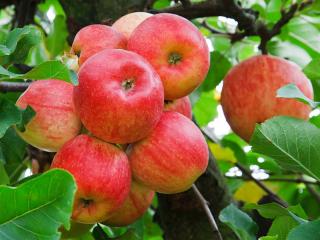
(56, 120)
(95, 38)
(181, 105)
(172, 157)
(136, 204)
(102, 174)
(119, 97)
(250, 88)
(128, 23)
(176, 49)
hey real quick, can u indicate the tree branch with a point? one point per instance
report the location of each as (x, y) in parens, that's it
(272, 179)
(14, 86)
(206, 208)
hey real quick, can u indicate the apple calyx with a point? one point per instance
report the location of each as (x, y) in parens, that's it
(86, 202)
(174, 58)
(128, 84)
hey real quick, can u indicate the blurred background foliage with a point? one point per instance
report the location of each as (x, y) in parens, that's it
(47, 38)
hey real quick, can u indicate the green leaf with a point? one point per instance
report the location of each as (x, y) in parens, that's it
(269, 238)
(205, 109)
(240, 222)
(273, 10)
(18, 43)
(4, 178)
(293, 143)
(313, 73)
(219, 66)
(281, 226)
(57, 36)
(310, 230)
(37, 208)
(47, 70)
(292, 91)
(26, 116)
(12, 154)
(10, 115)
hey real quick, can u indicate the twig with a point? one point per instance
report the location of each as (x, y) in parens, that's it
(248, 174)
(206, 208)
(313, 192)
(14, 86)
(290, 180)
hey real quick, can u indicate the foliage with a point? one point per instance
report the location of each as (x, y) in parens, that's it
(283, 153)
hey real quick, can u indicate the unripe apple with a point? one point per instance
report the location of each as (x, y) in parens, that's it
(55, 121)
(119, 97)
(181, 105)
(136, 204)
(250, 88)
(176, 49)
(172, 157)
(128, 23)
(95, 38)
(102, 174)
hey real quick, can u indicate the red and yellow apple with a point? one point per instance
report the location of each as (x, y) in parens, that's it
(95, 38)
(176, 49)
(181, 105)
(136, 204)
(119, 97)
(55, 121)
(102, 174)
(128, 23)
(250, 88)
(172, 157)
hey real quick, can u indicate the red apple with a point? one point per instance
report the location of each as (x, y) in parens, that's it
(95, 38)
(55, 121)
(136, 204)
(119, 96)
(181, 105)
(176, 49)
(128, 23)
(172, 157)
(102, 173)
(250, 88)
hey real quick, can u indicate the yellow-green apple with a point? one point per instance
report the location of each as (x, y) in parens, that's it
(250, 88)
(119, 97)
(56, 120)
(102, 174)
(181, 105)
(128, 23)
(172, 157)
(176, 49)
(136, 204)
(95, 38)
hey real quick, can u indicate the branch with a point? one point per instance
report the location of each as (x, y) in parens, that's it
(14, 86)
(289, 180)
(206, 208)
(313, 192)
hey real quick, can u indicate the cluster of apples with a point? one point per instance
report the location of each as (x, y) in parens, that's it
(124, 131)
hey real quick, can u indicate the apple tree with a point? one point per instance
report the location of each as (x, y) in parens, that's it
(265, 187)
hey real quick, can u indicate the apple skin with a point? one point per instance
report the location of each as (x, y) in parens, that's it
(136, 204)
(109, 106)
(250, 88)
(102, 174)
(128, 23)
(172, 157)
(56, 120)
(95, 38)
(180, 40)
(181, 105)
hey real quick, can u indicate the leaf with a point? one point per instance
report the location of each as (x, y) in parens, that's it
(222, 153)
(219, 66)
(240, 222)
(57, 36)
(12, 115)
(4, 178)
(249, 192)
(205, 109)
(310, 230)
(281, 226)
(37, 208)
(292, 91)
(293, 143)
(269, 238)
(313, 73)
